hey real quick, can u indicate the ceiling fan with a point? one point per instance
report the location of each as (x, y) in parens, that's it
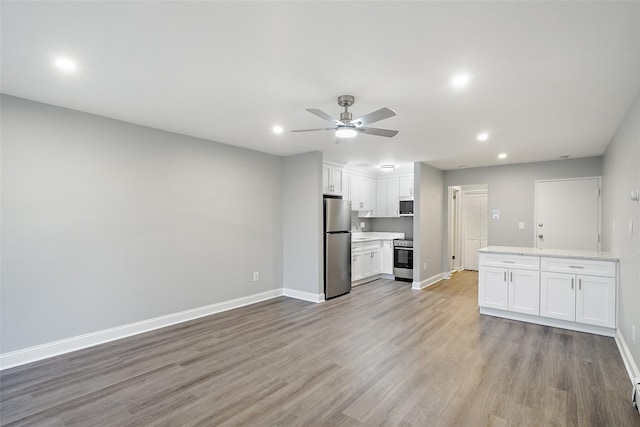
(348, 128)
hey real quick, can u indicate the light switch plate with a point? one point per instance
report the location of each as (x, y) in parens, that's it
(496, 214)
(521, 225)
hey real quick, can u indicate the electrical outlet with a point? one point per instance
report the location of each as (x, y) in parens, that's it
(521, 225)
(256, 276)
(633, 333)
(362, 224)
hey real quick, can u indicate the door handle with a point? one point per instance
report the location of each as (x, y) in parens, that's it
(540, 236)
(511, 276)
(579, 284)
(505, 276)
(572, 283)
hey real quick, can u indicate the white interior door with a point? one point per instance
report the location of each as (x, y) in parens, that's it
(568, 214)
(474, 216)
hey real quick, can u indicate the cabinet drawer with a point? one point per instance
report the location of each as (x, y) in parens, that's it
(510, 261)
(579, 266)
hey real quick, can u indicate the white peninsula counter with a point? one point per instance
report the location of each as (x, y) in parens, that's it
(554, 287)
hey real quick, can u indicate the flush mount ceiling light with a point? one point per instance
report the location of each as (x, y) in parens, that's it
(387, 167)
(482, 136)
(277, 129)
(66, 64)
(460, 80)
(345, 132)
(502, 155)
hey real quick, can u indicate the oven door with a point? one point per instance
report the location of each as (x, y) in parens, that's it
(403, 257)
(403, 263)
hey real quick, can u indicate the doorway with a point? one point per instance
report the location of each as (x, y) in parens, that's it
(567, 214)
(467, 225)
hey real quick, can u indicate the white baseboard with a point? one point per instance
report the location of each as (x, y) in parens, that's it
(306, 296)
(44, 351)
(629, 363)
(430, 281)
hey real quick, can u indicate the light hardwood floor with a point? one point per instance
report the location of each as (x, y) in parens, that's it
(382, 355)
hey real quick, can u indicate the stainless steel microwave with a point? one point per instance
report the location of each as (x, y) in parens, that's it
(405, 207)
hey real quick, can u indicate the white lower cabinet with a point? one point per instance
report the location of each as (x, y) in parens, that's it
(550, 288)
(371, 258)
(578, 298)
(356, 262)
(510, 289)
(387, 257)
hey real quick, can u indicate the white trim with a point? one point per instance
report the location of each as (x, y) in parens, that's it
(55, 348)
(629, 363)
(430, 281)
(305, 296)
(546, 321)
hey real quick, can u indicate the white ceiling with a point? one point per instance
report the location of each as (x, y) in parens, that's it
(548, 78)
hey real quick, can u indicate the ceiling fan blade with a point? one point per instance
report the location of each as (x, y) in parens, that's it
(324, 116)
(389, 133)
(311, 130)
(383, 113)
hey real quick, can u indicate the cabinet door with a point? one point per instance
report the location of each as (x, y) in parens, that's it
(493, 291)
(406, 186)
(326, 179)
(387, 257)
(355, 193)
(336, 180)
(381, 198)
(596, 301)
(376, 261)
(524, 291)
(356, 266)
(368, 190)
(367, 264)
(393, 194)
(558, 296)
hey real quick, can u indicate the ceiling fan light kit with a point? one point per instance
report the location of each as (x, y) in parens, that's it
(347, 127)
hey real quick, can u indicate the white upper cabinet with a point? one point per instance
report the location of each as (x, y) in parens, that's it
(387, 194)
(332, 179)
(406, 186)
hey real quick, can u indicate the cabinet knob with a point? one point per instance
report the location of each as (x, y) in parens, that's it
(540, 236)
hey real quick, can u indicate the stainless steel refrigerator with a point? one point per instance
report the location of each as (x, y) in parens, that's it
(337, 247)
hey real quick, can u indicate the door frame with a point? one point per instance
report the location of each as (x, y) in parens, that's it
(455, 239)
(598, 213)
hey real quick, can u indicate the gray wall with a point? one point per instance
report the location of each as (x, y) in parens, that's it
(511, 191)
(427, 222)
(393, 225)
(303, 216)
(620, 177)
(105, 223)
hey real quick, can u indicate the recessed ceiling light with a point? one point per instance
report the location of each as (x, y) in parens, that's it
(483, 136)
(387, 167)
(277, 129)
(345, 132)
(502, 155)
(66, 64)
(460, 80)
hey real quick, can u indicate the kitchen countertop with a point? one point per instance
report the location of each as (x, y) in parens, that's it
(359, 237)
(552, 253)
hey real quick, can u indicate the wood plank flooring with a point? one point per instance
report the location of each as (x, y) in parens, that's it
(383, 355)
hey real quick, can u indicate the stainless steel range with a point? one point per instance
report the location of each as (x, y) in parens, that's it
(403, 259)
